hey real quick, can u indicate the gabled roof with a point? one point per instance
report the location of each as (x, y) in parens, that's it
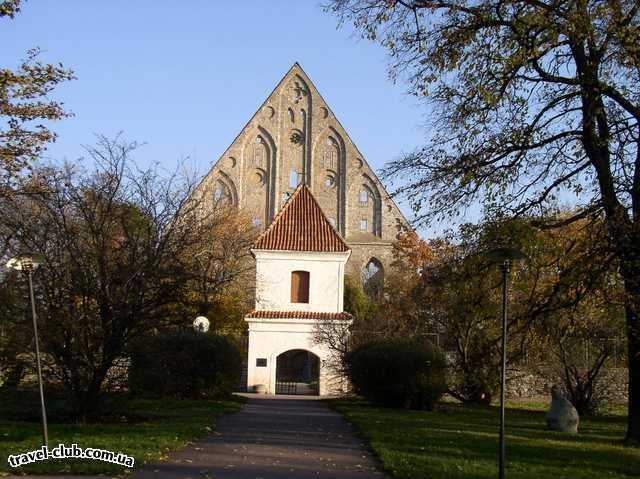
(301, 226)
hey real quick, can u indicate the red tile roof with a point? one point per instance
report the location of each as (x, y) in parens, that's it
(301, 226)
(297, 315)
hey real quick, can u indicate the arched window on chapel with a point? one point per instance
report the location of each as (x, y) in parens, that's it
(299, 286)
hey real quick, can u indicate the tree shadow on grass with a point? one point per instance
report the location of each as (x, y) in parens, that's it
(458, 441)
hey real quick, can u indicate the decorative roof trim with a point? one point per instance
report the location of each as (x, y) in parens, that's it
(260, 314)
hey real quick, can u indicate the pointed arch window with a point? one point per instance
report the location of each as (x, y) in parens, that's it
(222, 194)
(300, 287)
(373, 278)
(294, 179)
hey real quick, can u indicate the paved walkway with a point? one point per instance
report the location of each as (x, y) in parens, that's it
(273, 438)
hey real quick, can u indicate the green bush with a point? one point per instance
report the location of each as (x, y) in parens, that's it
(186, 364)
(398, 372)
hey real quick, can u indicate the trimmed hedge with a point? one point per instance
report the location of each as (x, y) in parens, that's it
(398, 372)
(186, 364)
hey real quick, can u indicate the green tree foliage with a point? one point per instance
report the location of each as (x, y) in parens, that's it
(356, 301)
(397, 313)
(398, 372)
(25, 107)
(533, 101)
(120, 248)
(582, 350)
(580, 346)
(221, 286)
(184, 364)
(9, 8)
(459, 295)
(15, 333)
(562, 294)
(339, 337)
(401, 312)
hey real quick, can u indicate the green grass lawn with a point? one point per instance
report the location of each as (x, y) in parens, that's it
(150, 429)
(456, 442)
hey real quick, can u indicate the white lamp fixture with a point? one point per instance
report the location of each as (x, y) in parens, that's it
(201, 324)
(26, 262)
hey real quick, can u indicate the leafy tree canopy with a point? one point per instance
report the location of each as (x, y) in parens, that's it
(26, 109)
(535, 103)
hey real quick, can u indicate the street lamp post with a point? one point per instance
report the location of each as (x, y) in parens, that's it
(505, 257)
(28, 263)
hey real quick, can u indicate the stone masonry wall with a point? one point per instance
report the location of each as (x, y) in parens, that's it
(293, 137)
(526, 383)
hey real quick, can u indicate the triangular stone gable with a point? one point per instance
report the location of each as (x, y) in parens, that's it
(294, 137)
(301, 226)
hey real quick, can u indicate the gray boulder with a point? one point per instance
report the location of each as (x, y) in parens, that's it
(562, 416)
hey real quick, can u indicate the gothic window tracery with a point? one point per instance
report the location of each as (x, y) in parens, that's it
(259, 156)
(364, 197)
(330, 154)
(373, 278)
(223, 194)
(294, 179)
(370, 205)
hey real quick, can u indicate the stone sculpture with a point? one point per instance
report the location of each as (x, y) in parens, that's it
(562, 416)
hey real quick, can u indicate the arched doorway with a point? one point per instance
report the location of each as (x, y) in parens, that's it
(373, 278)
(298, 372)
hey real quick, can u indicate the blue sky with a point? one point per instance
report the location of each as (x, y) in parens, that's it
(184, 77)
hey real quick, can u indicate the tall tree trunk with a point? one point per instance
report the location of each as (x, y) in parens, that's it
(623, 228)
(630, 270)
(88, 399)
(633, 333)
(626, 236)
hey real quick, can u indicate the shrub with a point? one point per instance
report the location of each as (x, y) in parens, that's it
(398, 372)
(185, 364)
